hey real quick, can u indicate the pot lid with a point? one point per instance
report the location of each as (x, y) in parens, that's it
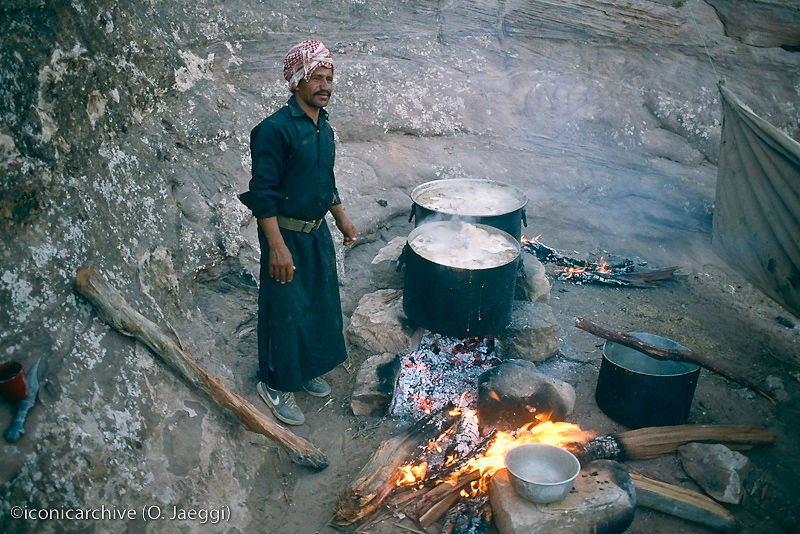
(463, 245)
(469, 196)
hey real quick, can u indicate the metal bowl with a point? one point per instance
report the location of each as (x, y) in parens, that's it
(540, 472)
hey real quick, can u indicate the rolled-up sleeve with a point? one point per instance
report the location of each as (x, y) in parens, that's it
(266, 149)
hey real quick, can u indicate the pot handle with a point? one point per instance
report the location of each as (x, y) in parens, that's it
(401, 260)
(413, 212)
(524, 219)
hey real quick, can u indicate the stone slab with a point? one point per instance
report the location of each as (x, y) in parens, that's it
(602, 500)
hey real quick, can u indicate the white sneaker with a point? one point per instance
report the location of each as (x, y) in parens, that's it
(282, 404)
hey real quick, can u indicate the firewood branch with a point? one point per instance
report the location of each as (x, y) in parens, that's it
(115, 310)
(689, 356)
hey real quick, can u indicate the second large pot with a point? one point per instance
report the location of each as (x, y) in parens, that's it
(460, 278)
(471, 199)
(638, 390)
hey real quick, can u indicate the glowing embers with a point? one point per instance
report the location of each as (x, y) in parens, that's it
(442, 371)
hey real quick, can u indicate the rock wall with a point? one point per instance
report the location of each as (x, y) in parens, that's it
(124, 140)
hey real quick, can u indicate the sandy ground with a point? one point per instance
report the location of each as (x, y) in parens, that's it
(707, 308)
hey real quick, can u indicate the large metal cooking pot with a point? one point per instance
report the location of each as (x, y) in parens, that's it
(460, 277)
(638, 390)
(471, 199)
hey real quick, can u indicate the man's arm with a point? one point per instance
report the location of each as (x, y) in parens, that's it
(344, 225)
(281, 264)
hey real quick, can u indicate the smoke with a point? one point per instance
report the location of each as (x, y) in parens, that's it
(463, 245)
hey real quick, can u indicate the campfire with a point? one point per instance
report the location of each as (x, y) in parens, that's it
(444, 459)
(621, 273)
(447, 454)
(461, 407)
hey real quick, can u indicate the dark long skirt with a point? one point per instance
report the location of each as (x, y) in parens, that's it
(300, 322)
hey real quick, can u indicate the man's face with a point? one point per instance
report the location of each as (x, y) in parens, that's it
(316, 92)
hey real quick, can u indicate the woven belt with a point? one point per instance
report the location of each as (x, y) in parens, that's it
(298, 225)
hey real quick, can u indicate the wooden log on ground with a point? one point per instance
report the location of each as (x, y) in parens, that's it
(651, 442)
(437, 501)
(115, 310)
(719, 367)
(681, 502)
(379, 476)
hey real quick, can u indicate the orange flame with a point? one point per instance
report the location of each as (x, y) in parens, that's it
(551, 432)
(602, 267)
(524, 240)
(554, 433)
(411, 473)
(567, 272)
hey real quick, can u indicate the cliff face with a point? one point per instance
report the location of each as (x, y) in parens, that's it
(124, 141)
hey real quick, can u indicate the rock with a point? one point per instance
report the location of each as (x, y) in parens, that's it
(776, 388)
(665, 144)
(372, 392)
(717, 469)
(532, 333)
(602, 499)
(379, 325)
(514, 392)
(532, 283)
(767, 24)
(384, 265)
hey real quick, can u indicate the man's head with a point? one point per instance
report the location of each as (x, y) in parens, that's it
(303, 60)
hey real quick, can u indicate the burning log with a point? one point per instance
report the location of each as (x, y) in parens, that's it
(380, 474)
(689, 356)
(651, 442)
(599, 272)
(113, 309)
(435, 503)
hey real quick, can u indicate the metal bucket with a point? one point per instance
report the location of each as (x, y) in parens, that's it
(455, 301)
(470, 199)
(638, 390)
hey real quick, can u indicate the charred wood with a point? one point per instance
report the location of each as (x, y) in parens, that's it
(651, 442)
(604, 447)
(472, 516)
(621, 274)
(380, 474)
(435, 503)
(478, 450)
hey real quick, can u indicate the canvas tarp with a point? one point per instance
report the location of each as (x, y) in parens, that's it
(756, 227)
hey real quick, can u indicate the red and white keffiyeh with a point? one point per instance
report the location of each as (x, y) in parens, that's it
(303, 59)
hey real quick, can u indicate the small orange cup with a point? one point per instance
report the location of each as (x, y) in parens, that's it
(13, 386)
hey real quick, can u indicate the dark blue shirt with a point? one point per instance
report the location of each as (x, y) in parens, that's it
(292, 165)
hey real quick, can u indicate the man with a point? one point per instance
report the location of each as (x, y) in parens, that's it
(291, 190)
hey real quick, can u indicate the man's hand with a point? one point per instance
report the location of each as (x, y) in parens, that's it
(348, 230)
(281, 264)
(344, 225)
